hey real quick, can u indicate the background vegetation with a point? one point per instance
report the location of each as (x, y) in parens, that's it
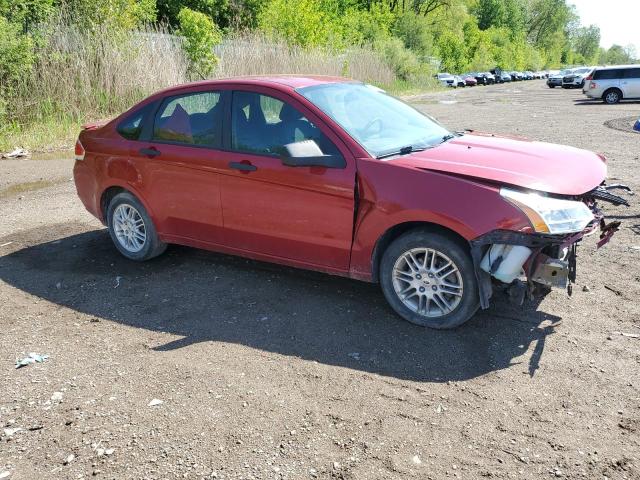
(65, 61)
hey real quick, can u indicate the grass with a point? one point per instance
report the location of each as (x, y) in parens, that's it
(51, 134)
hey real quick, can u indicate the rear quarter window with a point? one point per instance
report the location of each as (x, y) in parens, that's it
(131, 127)
(612, 74)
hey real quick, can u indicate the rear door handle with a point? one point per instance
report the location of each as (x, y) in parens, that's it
(244, 167)
(149, 152)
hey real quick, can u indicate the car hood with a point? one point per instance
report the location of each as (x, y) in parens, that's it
(545, 167)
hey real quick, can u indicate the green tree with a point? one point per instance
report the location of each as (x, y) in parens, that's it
(27, 13)
(452, 52)
(201, 35)
(302, 22)
(218, 10)
(125, 14)
(586, 42)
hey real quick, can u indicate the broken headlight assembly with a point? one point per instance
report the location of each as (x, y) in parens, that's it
(550, 215)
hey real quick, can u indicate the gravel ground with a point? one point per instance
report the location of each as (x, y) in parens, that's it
(267, 372)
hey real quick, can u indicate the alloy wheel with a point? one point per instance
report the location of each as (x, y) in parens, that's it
(427, 282)
(129, 228)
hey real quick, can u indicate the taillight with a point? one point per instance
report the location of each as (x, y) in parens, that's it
(592, 85)
(589, 77)
(79, 150)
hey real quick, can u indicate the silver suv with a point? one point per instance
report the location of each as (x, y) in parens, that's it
(575, 78)
(612, 84)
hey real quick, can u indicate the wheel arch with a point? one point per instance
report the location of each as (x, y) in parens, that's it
(114, 189)
(618, 89)
(399, 229)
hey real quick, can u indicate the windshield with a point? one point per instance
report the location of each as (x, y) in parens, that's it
(379, 122)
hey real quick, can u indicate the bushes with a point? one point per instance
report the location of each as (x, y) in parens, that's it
(201, 35)
(16, 61)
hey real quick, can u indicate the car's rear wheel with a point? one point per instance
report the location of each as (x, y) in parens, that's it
(131, 229)
(612, 96)
(428, 279)
(552, 86)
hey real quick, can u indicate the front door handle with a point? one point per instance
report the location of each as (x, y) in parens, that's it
(244, 167)
(149, 152)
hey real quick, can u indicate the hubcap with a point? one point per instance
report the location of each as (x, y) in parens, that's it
(427, 282)
(129, 228)
(612, 97)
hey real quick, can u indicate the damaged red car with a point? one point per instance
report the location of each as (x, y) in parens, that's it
(334, 175)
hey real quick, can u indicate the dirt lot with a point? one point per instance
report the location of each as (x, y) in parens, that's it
(270, 372)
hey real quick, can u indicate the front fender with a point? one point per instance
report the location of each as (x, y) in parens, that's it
(391, 195)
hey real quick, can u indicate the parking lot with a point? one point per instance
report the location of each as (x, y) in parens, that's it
(268, 372)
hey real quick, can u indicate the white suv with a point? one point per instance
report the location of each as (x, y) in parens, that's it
(612, 84)
(576, 77)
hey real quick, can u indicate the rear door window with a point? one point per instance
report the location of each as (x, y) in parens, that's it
(611, 74)
(191, 119)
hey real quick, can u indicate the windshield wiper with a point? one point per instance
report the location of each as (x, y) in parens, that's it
(402, 151)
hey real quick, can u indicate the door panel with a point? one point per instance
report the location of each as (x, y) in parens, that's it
(182, 186)
(631, 83)
(299, 213)
(180, 162)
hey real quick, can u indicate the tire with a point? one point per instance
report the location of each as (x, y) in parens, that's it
(421, 243)
(124, 214)
(612, 96)
(552, 86)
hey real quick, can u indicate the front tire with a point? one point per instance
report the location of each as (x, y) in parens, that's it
(428, 278)
(132, 230)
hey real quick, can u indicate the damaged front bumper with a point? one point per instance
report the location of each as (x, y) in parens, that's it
(545, 260)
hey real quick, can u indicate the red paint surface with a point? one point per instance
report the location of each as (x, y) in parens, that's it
(304, 216)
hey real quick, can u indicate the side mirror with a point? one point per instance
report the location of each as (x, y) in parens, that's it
(307, 153)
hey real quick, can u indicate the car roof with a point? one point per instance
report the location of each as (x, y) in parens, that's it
(280, 80)
(610, 67)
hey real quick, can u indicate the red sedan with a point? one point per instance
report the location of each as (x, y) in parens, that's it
(334, 175)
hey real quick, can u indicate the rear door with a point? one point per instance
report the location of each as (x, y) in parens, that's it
(179, 160)
(631, 82)
(303, 214)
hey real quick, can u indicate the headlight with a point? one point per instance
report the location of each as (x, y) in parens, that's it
(550, 215)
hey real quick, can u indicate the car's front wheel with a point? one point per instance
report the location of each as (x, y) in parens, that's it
(428, 279)
(131, 229)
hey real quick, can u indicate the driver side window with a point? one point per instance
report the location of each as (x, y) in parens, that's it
(264, 125)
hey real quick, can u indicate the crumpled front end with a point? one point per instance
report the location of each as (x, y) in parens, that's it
(533, 263)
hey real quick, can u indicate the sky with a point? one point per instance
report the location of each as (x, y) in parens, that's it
(619, 20)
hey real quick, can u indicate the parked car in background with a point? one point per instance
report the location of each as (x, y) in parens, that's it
(576, 77)
(488, 77)
(505, 77)
(459, 81)
(613, 84)
(470, 80)
(515, 76)
(538, 75)
(328, 174)
(527, 75)
(447, 80)
(555, 79)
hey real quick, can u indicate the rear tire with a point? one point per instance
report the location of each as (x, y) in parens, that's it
(132, 230)
(612, 96)
(419, 288)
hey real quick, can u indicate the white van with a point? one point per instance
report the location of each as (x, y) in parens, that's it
(613, 84)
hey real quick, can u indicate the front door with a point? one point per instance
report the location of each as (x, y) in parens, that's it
(304, 214)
